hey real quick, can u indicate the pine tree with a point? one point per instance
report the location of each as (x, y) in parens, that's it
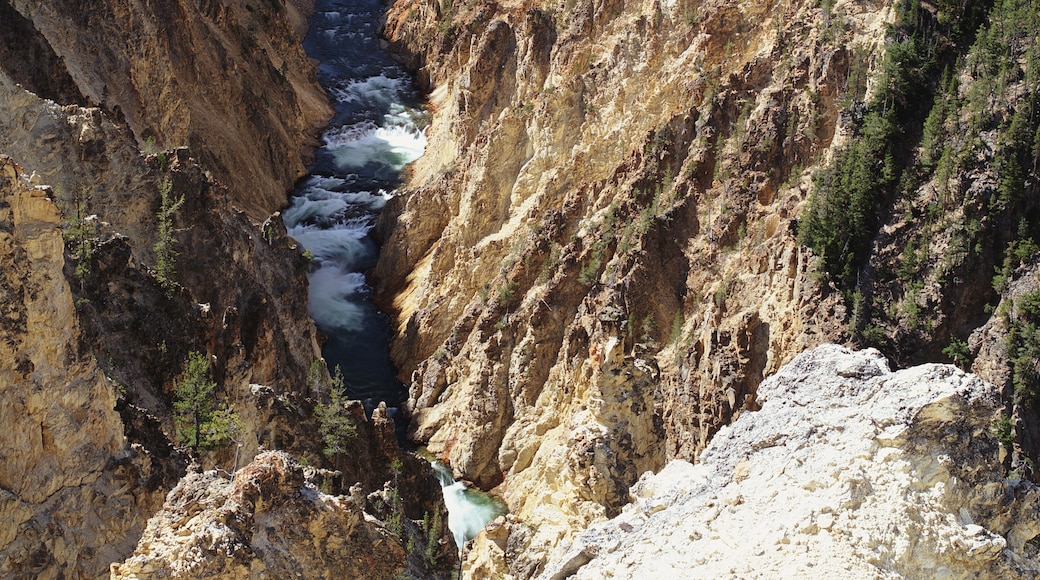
(334, 421)
(165, 253)
(200, 422)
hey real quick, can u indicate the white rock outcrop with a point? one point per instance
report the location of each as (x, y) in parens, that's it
(268, 521)
(849, 470)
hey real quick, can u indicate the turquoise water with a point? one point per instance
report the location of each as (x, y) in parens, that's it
(469, 510)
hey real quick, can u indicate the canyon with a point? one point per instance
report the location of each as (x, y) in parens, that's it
(613, 289)
(108, 131)
(605, 250)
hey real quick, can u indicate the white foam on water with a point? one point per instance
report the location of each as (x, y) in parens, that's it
(343, 245)
(324, 216)
(304, 209)
(331, 290)
(316, 200)
(346, 134)
(468, 510)
(358, 145)
(379, 90)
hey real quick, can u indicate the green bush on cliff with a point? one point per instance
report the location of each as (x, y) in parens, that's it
(165, 253)
(335, 423)
(1024, 348)
(877, 166)
(842, 214)
(200, 422)
(81, 232)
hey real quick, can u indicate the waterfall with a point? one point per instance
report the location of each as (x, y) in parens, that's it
(469, 510)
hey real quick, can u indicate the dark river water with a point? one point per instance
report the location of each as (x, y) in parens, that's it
(376, 131)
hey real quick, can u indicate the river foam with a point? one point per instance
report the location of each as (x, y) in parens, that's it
(469, 510)
(376, 131)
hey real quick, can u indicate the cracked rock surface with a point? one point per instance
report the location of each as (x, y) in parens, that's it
(848, 468)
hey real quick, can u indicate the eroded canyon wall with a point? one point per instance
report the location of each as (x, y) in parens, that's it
(228, 80)
(98, 332)
(600, 241)
(75, 493)
(602, 254)
(146, 149)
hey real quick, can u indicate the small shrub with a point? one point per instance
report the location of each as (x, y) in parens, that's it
(1024, 348)
(432, 530)
(678, 321)
(506, 291)
(81, 233)
(1004, 431)
(722, 292)
(334, 421)
(589, 273)
(959, 353)
(550, 264)
(165, 253)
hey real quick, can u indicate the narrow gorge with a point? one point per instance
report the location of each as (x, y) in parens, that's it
(617, 245)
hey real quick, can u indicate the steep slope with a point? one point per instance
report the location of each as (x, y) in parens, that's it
(75, 494)
(270, 521)
(100, 322)
(632, 213)
(599, 247)
(232, 290)
(228, 80)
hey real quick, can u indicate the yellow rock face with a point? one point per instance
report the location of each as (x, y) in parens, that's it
(228, 80)
(75, 493)
(66, 471)
(595, 264)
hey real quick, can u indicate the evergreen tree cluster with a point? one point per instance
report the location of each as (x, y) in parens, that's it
(921, 124)
(202, 421)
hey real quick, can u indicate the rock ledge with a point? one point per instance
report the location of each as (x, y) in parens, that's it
(849, 470)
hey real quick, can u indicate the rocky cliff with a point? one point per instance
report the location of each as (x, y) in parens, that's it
(849, 470)
(600, 251)
(633, 212)
(124, 254)
(270, 520)
(228, 80)
(74, 492)
(629, 215)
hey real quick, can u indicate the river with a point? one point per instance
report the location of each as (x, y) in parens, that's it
(376, 131)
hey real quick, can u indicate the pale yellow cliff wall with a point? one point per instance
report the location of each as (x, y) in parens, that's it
(595, 263)
(73, 490)
(94, 345)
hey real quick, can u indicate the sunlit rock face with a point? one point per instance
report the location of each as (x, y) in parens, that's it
(848, 468)
(596, 263)
(96, 104)
(268, 521)
(92, 374)
(630, 178)
(75, 494)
